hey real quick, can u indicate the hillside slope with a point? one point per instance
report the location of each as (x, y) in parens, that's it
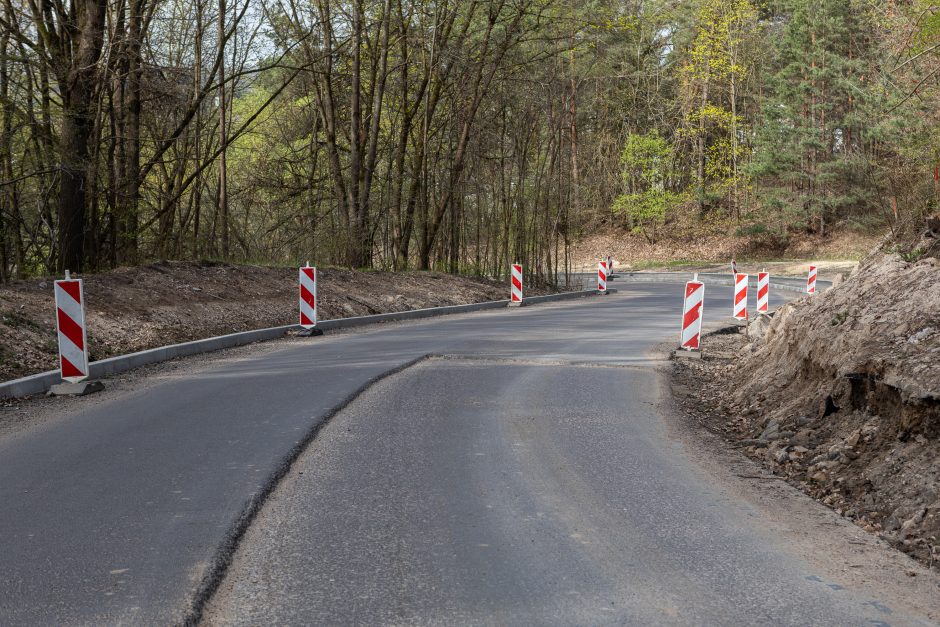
(841, 395)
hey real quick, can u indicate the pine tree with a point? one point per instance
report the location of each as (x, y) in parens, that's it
(811, 152)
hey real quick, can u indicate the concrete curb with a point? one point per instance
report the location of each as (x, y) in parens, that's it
(40, 383)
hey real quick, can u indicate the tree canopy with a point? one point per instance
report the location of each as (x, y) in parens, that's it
(457, 135)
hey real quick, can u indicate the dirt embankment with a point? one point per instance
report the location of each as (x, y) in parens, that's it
(133, 309)
(840, 394)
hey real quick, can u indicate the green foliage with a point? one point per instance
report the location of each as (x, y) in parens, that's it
(813, 151)
(645, 162)
(647, 211)
(929, 24)
(839, 318)
(769, 237)
(913, 255)
(718, 65)
(754, 229)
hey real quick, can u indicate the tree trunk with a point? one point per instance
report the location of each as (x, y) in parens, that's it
(78, 82)
(9, 191)
(223, 141)
(197, 147)
(131, 191)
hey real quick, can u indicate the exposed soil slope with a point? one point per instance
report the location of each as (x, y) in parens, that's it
(841, 395)
(132, 309)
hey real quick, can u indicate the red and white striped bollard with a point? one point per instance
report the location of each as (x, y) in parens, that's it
(602, 277)
(308, 297)
(308, 301)
(811, 280)
(70, 326)
(692, 312)
(763, 292)
(739, 311)
(516, 289)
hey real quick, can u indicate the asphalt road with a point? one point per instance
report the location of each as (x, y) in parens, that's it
(118, 512)
(480, 493)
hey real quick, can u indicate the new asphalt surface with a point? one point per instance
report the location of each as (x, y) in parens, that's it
(462, 492)
(526, 481)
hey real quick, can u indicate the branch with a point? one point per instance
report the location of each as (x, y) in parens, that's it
(168, 205)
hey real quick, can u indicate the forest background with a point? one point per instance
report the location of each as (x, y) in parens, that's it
(457, 135)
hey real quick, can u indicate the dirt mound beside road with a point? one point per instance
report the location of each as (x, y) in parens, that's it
(841, 396)
(133, 309)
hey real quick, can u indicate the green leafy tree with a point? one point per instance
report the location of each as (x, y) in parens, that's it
(714, 75)
(645, 161)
